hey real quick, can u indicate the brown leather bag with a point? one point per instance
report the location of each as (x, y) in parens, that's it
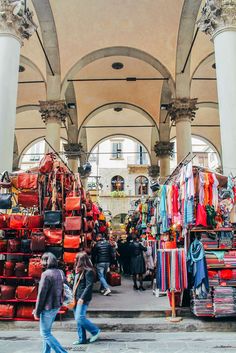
(7, 311)
(25, 311)
(35, 268)
(7, 292)
(37, 242)
(26, 292)
(8, 270)
(3, 245)
(72, 241)
(13, 245)
(21, 269)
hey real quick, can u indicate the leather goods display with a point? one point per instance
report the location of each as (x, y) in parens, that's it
(73, 223)
(25, 311)
(35, 268)
(37, 242)
(73, 203)
(55, 250)
(7, 311)
(53, 236)
(8, 269)
(28, 199)
(26, 292)
(5, 201)
(27, 181)
(21, 269)
(5, 182)
(71, 241)
(3, 245)
(25, 246)
(113, 278)
(69, 257)
(46, 163)
(17, 221)
(13, 245)
(4, 220)
(35, 221)
(7, 292)
(52, 218)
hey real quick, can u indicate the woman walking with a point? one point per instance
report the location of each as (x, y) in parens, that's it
(49, 301)
(137, 263)
(83, 286)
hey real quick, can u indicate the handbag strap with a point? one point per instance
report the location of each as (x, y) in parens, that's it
(77, 283)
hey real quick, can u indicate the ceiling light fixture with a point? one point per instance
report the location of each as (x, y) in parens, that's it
(117, 66)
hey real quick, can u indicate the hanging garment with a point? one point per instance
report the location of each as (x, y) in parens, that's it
(215, 195)
(163, 210)
(201, 188)
(201, 219)
(175, 200)
(211, 183)
(206, 189)
(197, 268)
(211, 214)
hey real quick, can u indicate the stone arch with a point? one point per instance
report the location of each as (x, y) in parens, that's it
(206, 60)
(27, 107)
(30, 63)
(117, 51)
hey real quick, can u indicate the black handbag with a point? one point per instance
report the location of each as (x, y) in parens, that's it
(55, 250)
(5, 201)
(52, 218)
(25, 246)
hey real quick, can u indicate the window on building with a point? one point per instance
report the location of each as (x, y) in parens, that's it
(117, 149)
(117, 183)
(141, 185)
(141, 155)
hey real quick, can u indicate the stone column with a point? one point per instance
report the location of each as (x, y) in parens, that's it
(182, 112)
(15, 26)
(53, 113)
(154, 171)
(164, 150)
(219, 21)
(73, 152)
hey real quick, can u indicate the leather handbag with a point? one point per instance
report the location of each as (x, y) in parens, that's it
(7, 292)
(55, 250)
(5, 182)
(4, 218)
(89, 236)
(21, 269)
(17, 221)
(25, 246)
(26, 292)
(73, 223)
(27, 181)
(37, 242)
(71, 241)
(25, 311)
(46, 163)
(69, 257)
(8, 270)
(13, 245)
(35, 268)
(85, 224)
(5, 201)
(52, 218)
(7, 311)
(35, 221)
(28, 199)
(73, 203)
(53, 236)
(113, 278)
(3, 245)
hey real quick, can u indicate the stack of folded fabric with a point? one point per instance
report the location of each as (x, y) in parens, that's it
(230, 258)
(213, 277)
(202, 307)
(227, 277)
(225, 239)
(215, 259)
(224, 301)
(234, 240)
(209, 240)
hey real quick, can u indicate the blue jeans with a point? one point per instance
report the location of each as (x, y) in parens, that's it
(102, 268)
(83, 324)
(47, 318)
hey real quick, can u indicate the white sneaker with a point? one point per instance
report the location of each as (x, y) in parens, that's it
(107, 291)
(102, 291)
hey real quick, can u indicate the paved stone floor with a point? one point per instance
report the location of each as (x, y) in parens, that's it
(203, 342)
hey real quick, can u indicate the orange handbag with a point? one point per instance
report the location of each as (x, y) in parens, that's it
(27, 181)
(35, 268)
(69, 257)
(73, 223)
(26, 292)
(7, 310)
(53, 236)
(17, 221)
(25, 311)
(71, 241)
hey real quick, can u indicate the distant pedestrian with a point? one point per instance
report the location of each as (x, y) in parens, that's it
(83, 287)
(137, 262)
(49, 301)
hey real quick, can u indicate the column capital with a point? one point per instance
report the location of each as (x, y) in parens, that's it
(154, 171)
(217, 16)
(73, 150)
(164, 149)
(15, 20)
(53, 109)
(182, 109)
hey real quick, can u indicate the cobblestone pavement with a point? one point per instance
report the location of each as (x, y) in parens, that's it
(116, 342)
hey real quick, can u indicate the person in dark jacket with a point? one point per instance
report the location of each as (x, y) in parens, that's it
(102, 256)
(137, 263)
(83, 287)
(49, 301)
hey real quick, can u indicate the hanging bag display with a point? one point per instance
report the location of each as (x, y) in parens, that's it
(35, 268)
(27, 181)
(17, 221)
(28, 199)
(69, 257)
(73, 203)
(53, 236)
(46, 163)
(7, 311)
(26, 292)
(34, 221)
(53, 217)
(37, 242)
(7, 292)
(73, 223)
(71, 241)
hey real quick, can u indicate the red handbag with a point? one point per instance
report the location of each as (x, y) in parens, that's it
(27, 181)
(3, 245)
(113, 278)
(26, 292)
(34, 222)
(73, 223)
(28, 199)
(72, 241)
(46, 163)
(7, 292)
(25, 311)
(53, 236)
(69, 257)
(37, 242)
(8, 270)
(7, 311)
(13, 245)
(4, 218)
(21, 269)
(17, 221)
(35, 268)
(73, 203)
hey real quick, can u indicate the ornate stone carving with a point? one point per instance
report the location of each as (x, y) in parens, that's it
(164, 149)
(53, 109)
(154, 171)
(16, 20)
(73, 150)
(217, 15)
(182, 108)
